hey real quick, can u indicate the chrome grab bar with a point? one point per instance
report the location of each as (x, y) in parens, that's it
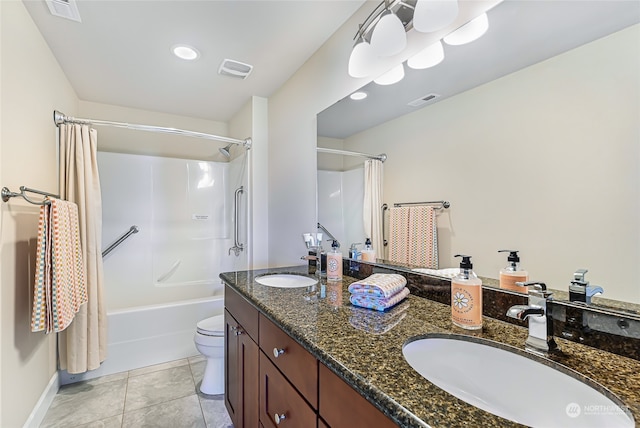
(237, 247)
(133, 229)
(384, 208)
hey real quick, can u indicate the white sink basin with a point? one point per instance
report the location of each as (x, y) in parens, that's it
(511, 385)
(286, 280)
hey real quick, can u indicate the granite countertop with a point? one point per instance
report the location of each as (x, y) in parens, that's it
(364, 348)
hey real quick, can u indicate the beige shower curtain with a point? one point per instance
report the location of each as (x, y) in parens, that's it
(82, 346)
(372, 210)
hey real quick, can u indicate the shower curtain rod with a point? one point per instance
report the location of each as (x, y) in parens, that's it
(381, 157)
(59, 118)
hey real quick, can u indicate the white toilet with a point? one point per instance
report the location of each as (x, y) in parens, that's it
(209, 339)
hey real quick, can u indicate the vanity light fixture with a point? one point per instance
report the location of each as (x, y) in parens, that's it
(428, 57)
(361, 59)
(359, 95)
(392, 76)
(434, 15)
(185, 52)
(389, 36)
(469, 32)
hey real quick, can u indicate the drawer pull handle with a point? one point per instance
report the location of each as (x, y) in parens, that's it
(277, 352)
(238, 331)
(279, 418)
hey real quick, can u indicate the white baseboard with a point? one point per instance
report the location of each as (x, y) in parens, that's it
(46, 398)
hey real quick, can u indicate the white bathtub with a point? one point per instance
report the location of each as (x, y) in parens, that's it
(148, 335)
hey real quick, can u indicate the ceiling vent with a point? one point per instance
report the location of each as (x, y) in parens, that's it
(64, 9)
(235, 69)
(423, 100)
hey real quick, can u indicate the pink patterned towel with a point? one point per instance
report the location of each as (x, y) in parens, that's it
(413, 236)
(60, 286)
(379, 285)
(378, 303)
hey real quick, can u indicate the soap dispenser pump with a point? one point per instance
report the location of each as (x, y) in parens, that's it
(368, 253)
(512, 273)
(334, 263)
(466, 297)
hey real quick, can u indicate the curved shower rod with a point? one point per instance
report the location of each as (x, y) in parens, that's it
(381, 157)
(59, 118)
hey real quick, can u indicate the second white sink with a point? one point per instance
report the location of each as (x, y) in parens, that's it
(286, 280)
(512, 386)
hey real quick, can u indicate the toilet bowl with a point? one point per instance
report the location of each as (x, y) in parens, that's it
(209, 340)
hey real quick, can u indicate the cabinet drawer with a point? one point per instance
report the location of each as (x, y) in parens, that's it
(297, 364)
(341, 406)
(242, 311)
(278, 398)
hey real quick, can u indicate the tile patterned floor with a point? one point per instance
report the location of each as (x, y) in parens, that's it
(165, 395)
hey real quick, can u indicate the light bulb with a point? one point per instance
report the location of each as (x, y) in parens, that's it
(361, 59)
(428, 57)
(388, 37)
(434, 15)
(392, 76)
(469, 32)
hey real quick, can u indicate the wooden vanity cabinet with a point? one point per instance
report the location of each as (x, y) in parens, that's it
(342, 407)
(242, 356)
(269, 375)
(280, 402)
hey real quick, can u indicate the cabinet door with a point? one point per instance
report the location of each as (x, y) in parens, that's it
(232, 372)
(280, 403)
(241, 375)
(249, 355)
(342, 407)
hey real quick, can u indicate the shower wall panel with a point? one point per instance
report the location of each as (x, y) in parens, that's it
(182, 208)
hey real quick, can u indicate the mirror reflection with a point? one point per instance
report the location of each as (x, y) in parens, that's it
(533, 138)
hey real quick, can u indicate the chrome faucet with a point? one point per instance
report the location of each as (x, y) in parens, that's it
(580, 290)
(540, 340)
(333, 238)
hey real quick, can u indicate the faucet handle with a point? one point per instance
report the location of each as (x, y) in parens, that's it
(578, 276)
(536, 288)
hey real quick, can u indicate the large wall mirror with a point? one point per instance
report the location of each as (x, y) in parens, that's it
(533, 137)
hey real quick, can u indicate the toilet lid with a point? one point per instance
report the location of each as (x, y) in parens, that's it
(213, 326)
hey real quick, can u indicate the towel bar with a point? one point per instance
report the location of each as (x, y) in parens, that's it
(8, 194)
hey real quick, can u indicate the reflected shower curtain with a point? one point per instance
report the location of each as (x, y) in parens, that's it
(83, 345)
(372, 210)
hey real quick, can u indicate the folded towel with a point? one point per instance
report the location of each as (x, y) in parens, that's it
(378, 322)
(379, 285)
(365, 300)
(60, 286)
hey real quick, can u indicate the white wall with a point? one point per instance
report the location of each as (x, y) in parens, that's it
(320, 82)
(545, 160)
(33, 85)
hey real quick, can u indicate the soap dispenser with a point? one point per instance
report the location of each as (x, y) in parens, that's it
(512, 273)
(368, 253)
(355, 255)
(466, 297)
(334, 263)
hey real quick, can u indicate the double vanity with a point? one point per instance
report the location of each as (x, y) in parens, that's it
(299, 354)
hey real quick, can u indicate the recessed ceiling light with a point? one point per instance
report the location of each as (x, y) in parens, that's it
(357, 96)
(185, 52)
